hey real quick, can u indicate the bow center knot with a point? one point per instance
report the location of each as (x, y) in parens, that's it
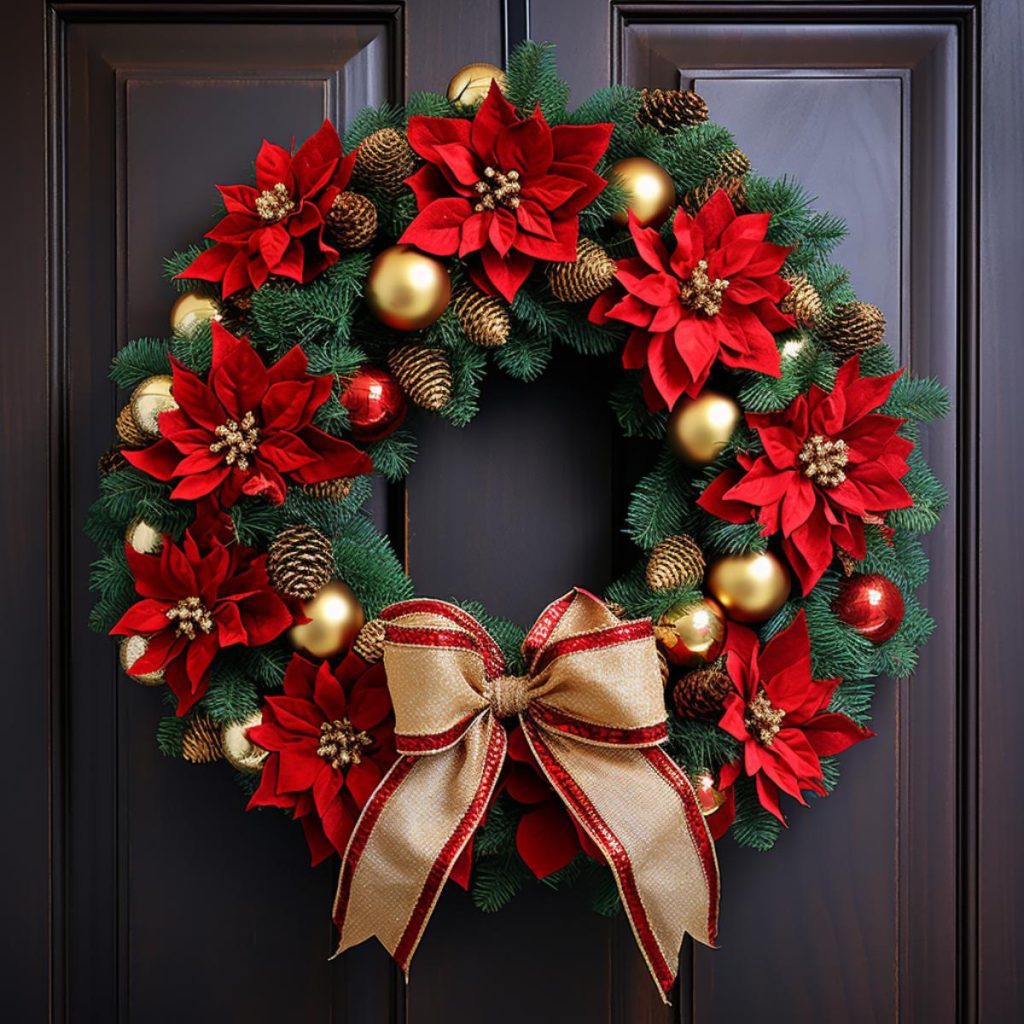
(509, 695)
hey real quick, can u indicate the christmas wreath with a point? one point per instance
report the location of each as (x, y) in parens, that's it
(419, 739)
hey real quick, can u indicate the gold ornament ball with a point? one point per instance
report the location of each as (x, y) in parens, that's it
(691, 633)
(700, 427)
(470, 85)
(190, 310)
(152, 397)
(650, 193)
(407, 289)
(239, 751)
(143, 537)
(132, 648)
(336, 616)
(751, 587)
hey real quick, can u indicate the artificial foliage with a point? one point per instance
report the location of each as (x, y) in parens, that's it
(294, 330)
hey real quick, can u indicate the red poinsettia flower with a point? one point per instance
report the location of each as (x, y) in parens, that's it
(278, 226)
(331, 739)
(779, 714)
(713, 297)
(831, 464)
(196, 599)
(547, 837)
(246, 428)
(505, 188)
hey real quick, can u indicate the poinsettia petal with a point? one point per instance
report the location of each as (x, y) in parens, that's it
(505, 275)
(362, 779)
(582, 144)
(714, 217)
(436, 228)
(146, 616)
(713, 499)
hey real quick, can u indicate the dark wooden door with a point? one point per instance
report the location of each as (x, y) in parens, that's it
(136, 889)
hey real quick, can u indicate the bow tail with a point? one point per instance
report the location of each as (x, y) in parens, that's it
(410, 835)
(640, 809)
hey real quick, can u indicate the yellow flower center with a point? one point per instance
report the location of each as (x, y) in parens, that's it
(763, 721)
(191, 615)
(237, 441)
(497, 188)
(342, 744)
(274, 204)
(700, 293)
(824, 460)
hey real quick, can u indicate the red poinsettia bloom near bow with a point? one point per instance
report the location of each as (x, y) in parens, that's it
(278, 226)
(246, 428)
(713, 297)
(331, 739)
(197, 599)
(504, 189)
(831, 464)
(779, 714)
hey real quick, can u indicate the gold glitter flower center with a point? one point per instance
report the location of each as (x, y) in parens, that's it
(762, 720)
(497, 188)
(274, 204)
(824, 460)
(191, 616)
(342, 744)
(237, 441)
(700, 293)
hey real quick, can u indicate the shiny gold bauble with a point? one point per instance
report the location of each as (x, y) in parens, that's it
(470, 85)
(149, 399)
(700, 427)
(407, 289)
(336, 618)
(650, 193)
(752, 587)
(239, 751)
(190, 310)
(691, 633)
(144, 537)
(132, 648)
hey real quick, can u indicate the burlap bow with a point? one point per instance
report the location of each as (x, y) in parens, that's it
(592, 709)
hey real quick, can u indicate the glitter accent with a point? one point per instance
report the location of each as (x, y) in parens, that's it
(700, 293)
(763, 720)
(342, 744)
(237, 440)
(190, 614)
(497, 188)
(824, 460)
(274, 204)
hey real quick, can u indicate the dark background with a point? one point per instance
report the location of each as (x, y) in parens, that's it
(134, 888)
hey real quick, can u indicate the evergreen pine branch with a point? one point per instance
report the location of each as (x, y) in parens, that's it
(170, 732)
(533, 79)
(366, 561)
(369, 120)
(917, 398)
(525, 356)
(429, 104)
(232, 696)
(631, 412)
(754, 826)
(469, 366)
(139, 359)
(697, 744)
(659, 505)
(393, 455)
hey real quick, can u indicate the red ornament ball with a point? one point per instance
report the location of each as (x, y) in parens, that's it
(872, 605)
(375, 403)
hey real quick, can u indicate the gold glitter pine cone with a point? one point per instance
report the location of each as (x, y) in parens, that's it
(337, 490)
(675, 562)
(384, 160)
(351, 221)
(484, 318)
(853, 327)
(129, 431)
(300, 560)
(423, 373)
(733, 167)
(200, 742)
(591, 273)
(668, 110)
(701, 691)
(803, 300)
(369, 641)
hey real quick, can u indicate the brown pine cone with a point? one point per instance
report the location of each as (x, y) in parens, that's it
(300, 560)
(129, 431)
(701, 691)
(668, 110)
(351, 222)
(675, 562)
(733, 167)
(853, 327)
(200, 742)
(338, 489)
(423, 373)
(384, 160)
(111, 461)
(803, 300)
(484, 318)
(369, 641)
(592, 272)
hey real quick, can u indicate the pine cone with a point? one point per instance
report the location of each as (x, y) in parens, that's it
(384, 160)
(701, 692)
(200, 742)
(663, 667)
(671, 109)
(369, 641)
(675, 562)
(129, 431)
(484, 318)
(803, 300)
(618, 610)
(423, 373)
(338, 489)
(733, 167)
(111, 461)
(853, 327)
(351, 221)
(592, 272)
(300, 560)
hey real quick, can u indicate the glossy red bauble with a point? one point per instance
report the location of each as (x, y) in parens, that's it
(375, 404)
(872, 605)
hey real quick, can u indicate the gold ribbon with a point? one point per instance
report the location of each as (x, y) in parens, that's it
(592, 709)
